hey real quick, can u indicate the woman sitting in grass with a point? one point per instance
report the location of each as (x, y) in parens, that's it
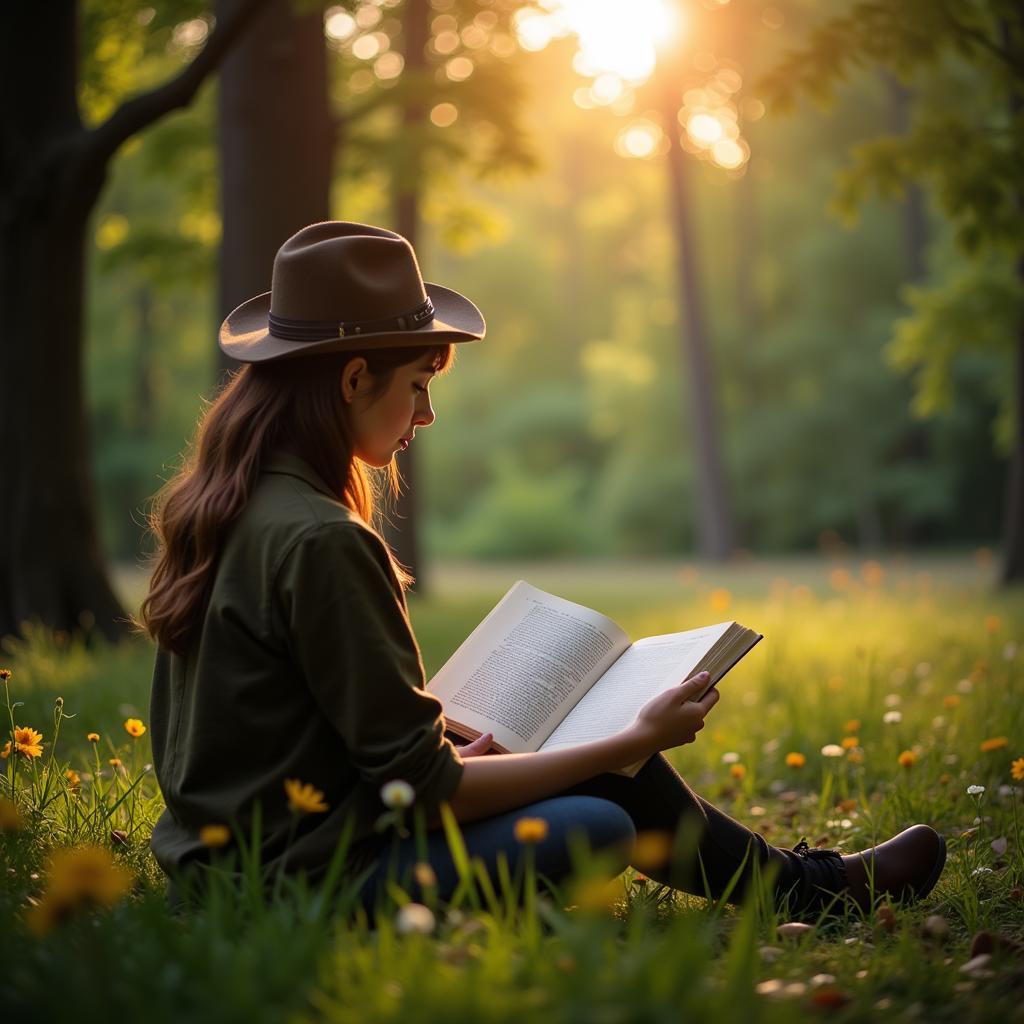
(285, 653)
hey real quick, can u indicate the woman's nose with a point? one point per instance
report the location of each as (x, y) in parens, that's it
(424, 412)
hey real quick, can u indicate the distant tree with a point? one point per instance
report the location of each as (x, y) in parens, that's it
(275, 141)
(964, 60)
(52, 170)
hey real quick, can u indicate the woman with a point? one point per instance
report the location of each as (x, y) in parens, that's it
(285, 650)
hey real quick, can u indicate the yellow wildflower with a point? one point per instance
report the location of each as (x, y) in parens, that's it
(214, 836)
(134, 727)
(951, 700)
(115, 762)
(995, 743)
(993, 624)
(303, 798)
(794, 759)
(1017, 768)
(10, 816)
(907, 758)
(28, 741)
(424, 874)
(719, 599)
(5, 674)
(86, 876)
(93, 737)
(944, 779)
(855, 756)
(850, 741)
(737, 771)
(531, 830)
(872, 574)
(74, 779)
(6, 752)
(652, 849)
(852, 725)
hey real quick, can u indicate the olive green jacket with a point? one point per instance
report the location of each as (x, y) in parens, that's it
(305, 667)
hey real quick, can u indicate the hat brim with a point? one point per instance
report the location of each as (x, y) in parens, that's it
(245, 336)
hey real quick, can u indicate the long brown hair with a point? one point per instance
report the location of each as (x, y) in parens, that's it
(294, 404)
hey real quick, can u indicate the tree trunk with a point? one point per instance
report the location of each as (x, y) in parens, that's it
(714, 515)
(1012, 571)
(403, 531)
(51, 567)
(275, 138)
(51, 173)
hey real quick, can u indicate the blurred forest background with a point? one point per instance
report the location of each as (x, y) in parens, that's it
(544, 197)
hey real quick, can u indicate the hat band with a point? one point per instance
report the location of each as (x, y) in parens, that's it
(318, 330)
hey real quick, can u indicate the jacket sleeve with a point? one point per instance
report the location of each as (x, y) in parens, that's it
(353, 643)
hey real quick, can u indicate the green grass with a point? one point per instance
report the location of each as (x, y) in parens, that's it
(836, 648)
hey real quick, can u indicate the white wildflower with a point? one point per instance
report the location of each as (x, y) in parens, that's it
(892, 717)
(1010, 650)
(922, 669)
(938, 721)
(832, 750)
(975, 790)
(730, 757)
(981, 871)
(414, 918)
(892, 700)
(964, 686)
(397, 794)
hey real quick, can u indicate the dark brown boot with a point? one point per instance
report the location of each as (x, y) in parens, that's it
(905, 867)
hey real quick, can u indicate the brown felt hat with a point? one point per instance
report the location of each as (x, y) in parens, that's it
(339, 286)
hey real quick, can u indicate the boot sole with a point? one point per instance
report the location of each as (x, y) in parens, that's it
(922, 890)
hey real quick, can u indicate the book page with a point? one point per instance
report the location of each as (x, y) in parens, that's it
(647, 668)
(525, 666)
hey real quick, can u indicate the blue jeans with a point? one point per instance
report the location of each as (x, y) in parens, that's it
(608, 811)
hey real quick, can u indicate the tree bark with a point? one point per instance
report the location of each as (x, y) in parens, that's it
(1012, 571)
(52, 170)
(402, 532)
(715, 533)
(275, 138)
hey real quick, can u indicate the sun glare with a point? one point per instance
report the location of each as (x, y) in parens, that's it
(608, 42)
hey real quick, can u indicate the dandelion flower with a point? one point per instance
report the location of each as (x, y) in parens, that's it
(414, 918)
(907, 758)
(951, 700)
(1017, 768)
(737, 771)
(303, 798)
(832, 750)
(531, 830)
(134, 727)
(651, 849)
(86, 876)
(6, 752)
(93, 737)
(794, 759)
(892, 717)
(851, 725)
(995, 743)
(74, 779)
(397, 794)
(28, 741)
(424, 874)
(975, 790)
(215, 836)
(850, 741)
(10, 816)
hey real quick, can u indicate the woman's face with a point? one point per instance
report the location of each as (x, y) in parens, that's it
(384, 424)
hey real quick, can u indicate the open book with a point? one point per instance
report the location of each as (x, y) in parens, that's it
(542, 673)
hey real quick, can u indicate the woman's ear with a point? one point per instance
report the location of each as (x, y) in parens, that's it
(354, 378)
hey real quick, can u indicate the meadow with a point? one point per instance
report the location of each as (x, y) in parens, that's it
(885, 693)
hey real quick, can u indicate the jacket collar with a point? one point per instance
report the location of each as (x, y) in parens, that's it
(292, 465)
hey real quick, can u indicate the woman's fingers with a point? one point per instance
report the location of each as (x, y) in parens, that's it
(478, 746)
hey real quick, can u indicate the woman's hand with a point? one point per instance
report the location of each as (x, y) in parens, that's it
(673, 718)
(478, 746)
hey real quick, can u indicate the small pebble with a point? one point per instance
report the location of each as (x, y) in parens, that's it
(823, 979)
(794, 929)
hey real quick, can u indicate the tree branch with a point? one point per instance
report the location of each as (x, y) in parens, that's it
(140, 111)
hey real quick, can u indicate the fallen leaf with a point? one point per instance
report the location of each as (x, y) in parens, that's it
(828, 997)
(886, 918)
